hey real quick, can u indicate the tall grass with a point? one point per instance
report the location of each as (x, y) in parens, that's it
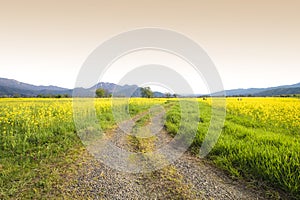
(250, 149)
(39, 140)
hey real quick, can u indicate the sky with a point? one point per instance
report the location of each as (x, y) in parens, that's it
(253, 43)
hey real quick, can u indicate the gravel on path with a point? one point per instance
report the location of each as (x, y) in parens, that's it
(187, 178)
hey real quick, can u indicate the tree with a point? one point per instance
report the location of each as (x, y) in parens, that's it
(100, 92)
(146, 92)
(16, 95)
(168, 95)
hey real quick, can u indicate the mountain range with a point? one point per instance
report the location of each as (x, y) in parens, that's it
(270, 91)
(10, 88)
(13, 88)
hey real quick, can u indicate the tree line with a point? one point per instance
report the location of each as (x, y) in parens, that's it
(146, 92)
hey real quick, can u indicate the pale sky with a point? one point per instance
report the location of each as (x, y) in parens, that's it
(253, 43)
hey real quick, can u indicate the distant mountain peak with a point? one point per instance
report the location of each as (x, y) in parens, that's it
(270, 91)
(11, 87)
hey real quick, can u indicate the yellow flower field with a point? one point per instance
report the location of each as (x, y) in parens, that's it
(259, 138)
(36, 133)
(276, 113)
(281, 114)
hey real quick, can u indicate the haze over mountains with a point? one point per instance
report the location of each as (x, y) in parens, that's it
(270, 91)
(10, 88)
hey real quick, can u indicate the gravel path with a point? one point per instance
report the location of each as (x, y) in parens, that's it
(187, 178)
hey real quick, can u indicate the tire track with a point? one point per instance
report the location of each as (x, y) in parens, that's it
(187, 178)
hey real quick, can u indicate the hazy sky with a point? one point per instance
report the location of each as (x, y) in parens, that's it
(253, 43)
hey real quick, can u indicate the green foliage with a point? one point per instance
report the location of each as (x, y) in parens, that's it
(168, 95)
(101, 93)
(146, 92)
(246, 149)
(39, 142)
(53, 96)
(173, 119)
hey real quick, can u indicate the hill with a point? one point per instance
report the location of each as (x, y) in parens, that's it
(271, 91)
(10, 88)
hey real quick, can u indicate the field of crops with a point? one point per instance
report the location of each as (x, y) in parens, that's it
(259, 141)
(38, 140)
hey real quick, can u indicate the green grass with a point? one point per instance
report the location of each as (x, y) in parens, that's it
(40, 147)
(248, 151)
(142, 140)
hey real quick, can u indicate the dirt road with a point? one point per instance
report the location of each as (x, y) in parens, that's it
(189, 177)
